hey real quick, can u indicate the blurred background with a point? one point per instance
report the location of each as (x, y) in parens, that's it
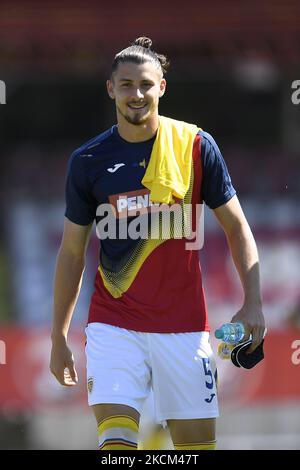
(233, 64)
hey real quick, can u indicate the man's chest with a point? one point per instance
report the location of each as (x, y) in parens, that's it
(119, 177)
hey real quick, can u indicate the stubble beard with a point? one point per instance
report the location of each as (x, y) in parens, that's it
(136, 120)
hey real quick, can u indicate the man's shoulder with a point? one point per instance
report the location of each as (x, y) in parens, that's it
(207, 139)
(94, 145)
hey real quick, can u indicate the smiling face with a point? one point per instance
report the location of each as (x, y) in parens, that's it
(136, 89)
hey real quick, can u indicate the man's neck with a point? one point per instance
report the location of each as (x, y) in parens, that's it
(141, 133)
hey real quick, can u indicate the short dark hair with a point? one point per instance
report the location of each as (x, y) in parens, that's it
(140, 52)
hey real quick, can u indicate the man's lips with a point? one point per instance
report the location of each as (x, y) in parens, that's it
(135, 107)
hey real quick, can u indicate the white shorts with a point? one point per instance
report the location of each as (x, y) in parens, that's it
(123, 365)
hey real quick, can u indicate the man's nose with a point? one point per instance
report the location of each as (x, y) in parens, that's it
(138, 93)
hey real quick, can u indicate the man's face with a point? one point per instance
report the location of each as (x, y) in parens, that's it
(136, 88)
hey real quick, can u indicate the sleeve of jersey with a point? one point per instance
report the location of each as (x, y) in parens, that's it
(80, 205)
(217, 188)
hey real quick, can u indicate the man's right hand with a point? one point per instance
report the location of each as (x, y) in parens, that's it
(62, 363)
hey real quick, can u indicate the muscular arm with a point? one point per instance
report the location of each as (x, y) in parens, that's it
(244, 253)
(67, 282)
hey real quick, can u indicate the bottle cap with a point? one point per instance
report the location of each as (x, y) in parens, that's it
(219, 334)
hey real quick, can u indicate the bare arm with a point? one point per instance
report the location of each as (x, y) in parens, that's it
(67, 282)
(244, 253)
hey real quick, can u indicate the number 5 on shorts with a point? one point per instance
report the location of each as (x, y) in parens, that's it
(208, 372)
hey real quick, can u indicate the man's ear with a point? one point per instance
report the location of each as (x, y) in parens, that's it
(110, 89)
(163, 85)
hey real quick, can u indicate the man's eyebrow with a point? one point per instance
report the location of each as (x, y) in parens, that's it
(130, 80)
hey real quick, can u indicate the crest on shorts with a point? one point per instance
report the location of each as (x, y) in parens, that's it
(90, 384)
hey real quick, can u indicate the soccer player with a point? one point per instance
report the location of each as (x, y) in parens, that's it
(147, 326)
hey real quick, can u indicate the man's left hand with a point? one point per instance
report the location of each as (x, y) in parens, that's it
(252, 317)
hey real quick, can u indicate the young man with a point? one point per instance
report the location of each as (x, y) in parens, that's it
(147, 324)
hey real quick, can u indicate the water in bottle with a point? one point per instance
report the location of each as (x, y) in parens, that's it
(231, 333)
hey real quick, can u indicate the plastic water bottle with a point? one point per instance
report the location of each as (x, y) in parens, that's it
(231, 333)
